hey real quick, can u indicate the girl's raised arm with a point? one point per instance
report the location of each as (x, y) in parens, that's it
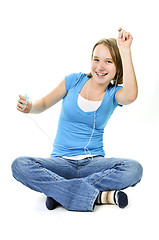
(129, 92)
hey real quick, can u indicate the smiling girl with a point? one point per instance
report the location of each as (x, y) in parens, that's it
(78, 175)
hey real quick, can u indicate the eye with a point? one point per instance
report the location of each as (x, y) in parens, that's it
(96, 60)
(109, 61)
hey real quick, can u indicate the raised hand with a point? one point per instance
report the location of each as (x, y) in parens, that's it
(124, 39)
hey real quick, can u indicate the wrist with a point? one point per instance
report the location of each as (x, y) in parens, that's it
(125, 51)
(126, 56)
(30, 106)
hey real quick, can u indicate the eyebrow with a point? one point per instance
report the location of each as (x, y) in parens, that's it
(105, 59)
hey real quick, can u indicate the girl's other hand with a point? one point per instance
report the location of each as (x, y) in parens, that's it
(23, 105)
(124, 39)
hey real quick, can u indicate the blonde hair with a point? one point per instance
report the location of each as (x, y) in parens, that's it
(111, 44)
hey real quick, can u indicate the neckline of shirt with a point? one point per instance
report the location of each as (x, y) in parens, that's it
(87, 105)
(79, 95)
(85, 79)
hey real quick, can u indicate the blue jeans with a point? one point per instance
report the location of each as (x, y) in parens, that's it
(76, 184)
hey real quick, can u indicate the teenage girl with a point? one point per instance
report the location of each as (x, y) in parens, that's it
(78, 175)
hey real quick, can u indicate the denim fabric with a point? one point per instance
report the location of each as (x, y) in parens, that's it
(76, 184)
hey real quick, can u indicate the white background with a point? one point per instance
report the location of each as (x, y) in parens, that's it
(40, 43)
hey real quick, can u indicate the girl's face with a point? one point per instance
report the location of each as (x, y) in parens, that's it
(103, 68)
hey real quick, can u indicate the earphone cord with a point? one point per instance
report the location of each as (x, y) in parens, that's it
(85, 147)
(40, 128)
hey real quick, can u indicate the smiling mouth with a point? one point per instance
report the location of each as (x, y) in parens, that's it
(101, 74)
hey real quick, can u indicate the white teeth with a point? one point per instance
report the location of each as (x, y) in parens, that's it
(101, 74)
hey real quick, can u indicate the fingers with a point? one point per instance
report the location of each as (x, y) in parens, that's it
(119, 29)
(23, 105)
(22, 100)
(124, 35)
(19, 108)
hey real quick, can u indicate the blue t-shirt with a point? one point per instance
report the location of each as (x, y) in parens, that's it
(80, 132)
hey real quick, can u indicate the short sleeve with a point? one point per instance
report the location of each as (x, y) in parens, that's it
(114, 99)
(71, 80)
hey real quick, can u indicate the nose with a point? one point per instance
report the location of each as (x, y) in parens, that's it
(100, 66)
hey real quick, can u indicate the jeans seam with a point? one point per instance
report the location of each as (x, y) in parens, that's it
(40, 166)
(97, 180)
(92, 200)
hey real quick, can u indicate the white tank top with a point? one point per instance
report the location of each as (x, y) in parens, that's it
(87, 105)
